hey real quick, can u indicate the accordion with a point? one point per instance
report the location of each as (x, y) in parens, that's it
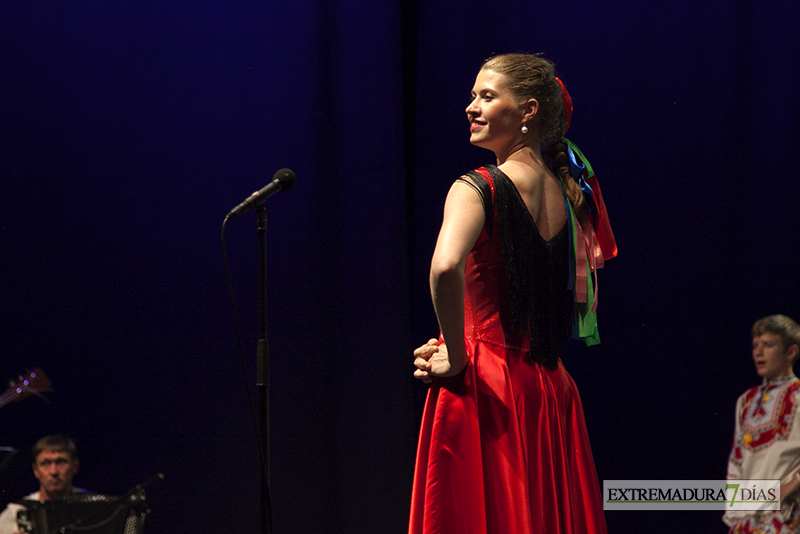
(84, 513)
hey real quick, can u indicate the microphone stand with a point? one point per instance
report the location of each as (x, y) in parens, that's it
(262, 374)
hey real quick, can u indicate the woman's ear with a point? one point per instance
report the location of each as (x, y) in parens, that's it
(530, 109)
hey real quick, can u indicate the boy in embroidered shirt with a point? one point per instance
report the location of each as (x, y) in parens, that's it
(766, 442)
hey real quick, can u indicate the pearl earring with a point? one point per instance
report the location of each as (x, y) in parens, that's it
(524, 129)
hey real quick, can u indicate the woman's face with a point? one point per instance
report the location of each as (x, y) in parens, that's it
(495, 115)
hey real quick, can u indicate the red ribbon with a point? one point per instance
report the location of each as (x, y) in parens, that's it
(594, 254)
(567, 105)
(605, 236)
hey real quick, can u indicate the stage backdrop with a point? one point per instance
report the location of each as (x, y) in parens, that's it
(130, 129)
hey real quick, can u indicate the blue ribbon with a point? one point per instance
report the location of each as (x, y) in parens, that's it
(576, 168)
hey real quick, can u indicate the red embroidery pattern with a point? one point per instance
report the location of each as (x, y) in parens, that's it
(778, 422)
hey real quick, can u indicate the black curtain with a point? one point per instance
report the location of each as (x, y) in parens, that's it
(130, 128)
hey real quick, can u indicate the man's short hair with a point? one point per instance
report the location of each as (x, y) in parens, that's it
(56, 443)
(780, 325)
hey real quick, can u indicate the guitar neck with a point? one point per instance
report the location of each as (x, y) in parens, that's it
(25, 386)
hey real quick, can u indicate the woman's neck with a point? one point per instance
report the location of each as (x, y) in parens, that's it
(525, 156)
(523, 149)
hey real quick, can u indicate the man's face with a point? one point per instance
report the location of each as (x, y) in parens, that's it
(772, 359)
(54, 470)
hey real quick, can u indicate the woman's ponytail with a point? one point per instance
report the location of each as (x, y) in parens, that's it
(560, 159)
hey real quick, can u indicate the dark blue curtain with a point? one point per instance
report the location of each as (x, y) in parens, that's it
(130, 128)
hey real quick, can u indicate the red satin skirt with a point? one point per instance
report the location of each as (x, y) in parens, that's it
(503, 449)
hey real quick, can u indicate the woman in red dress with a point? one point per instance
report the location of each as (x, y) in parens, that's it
(503, 447)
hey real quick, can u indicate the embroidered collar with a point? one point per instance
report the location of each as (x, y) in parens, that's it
(779, 381)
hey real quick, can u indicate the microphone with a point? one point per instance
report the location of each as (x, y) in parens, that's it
(283, 180)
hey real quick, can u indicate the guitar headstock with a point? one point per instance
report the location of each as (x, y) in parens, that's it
(26, 385)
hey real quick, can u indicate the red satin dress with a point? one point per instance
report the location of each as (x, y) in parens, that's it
(503, 447)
